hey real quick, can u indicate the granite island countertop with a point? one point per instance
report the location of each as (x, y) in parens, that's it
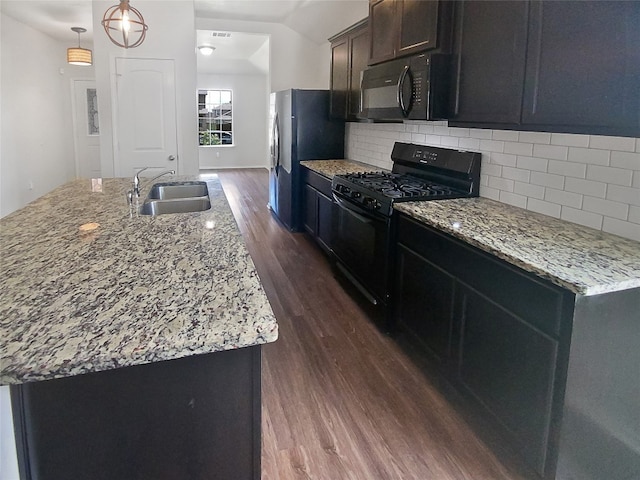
(580, 259)
(329, 168)
(138, 289)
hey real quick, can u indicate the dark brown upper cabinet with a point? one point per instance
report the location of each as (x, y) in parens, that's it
(405, 27)
(583, 66)
(349, 56)
(557, 66)
(490, 45)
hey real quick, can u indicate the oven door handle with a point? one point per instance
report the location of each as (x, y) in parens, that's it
(352, 209)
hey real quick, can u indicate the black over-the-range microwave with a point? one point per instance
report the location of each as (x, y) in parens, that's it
(412, 88)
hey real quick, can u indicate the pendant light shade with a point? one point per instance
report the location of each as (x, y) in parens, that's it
(124, 25)
(78, 55)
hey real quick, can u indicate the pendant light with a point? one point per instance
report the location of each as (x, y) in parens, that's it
(78, 55)
(124, 25)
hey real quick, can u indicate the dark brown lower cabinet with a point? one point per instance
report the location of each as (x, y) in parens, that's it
(197, 417)
(318, 206)
(501, 335)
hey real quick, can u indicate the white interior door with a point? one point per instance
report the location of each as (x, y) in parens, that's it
(86, 130)
(146, 128)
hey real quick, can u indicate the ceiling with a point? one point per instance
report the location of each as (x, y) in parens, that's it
(314, 19)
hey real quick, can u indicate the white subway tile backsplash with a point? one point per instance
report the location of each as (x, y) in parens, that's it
(450, 142)
(535, 137)
(627, 195)
(492, 169)
(588, 156)
(624, 144)
(551, 151)
(588, 179)
(627, 160)
(569, 140)
(469, 144)
(622, 228)
(505, 135)
(503, 184)
(492, 146)
(546, 208)
(516, 174)
(480, 133)
(488, 192)
(588, 219)
(459, 132)
(606, 207)
(586, 187)
(503, 159)
(563, 198)
(528, 190)
(435, 140)
(524, 149)
(568, 169)
(513, 199)
(547, 180)
(427, 128)
(618, 176)
(532, 163)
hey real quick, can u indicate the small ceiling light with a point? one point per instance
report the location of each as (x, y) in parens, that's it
(78, 55)
(206, 49)
(124, 25)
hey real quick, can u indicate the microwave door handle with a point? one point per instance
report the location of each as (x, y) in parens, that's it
(401, 80)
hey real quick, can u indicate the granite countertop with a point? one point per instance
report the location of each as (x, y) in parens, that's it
(580, 259)
(329, 168)
(138, 289)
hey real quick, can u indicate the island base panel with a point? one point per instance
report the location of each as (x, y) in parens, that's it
(196, 417)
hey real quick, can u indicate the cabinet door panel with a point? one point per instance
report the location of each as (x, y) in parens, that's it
(339, 78)
(325, 208)
(424, 302)
(359, 58)
(310, 219)
(418, 25)
(490, 47)
(509, 367)
(583, 65)
(384, 30)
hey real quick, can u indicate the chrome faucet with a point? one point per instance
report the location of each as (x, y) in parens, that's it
(136, 179)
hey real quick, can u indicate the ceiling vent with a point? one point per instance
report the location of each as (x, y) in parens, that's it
(221, 34)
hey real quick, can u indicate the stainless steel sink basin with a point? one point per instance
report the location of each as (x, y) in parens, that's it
(171, 190)
(176, 205)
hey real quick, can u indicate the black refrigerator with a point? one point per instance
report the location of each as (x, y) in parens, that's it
(300, 129)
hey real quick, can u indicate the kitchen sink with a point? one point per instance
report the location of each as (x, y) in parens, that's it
(176, 197)
(172, 190)
(176, 205)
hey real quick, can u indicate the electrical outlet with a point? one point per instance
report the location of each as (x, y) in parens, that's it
(30, 185)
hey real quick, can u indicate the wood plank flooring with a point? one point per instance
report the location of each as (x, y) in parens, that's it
(342, 400)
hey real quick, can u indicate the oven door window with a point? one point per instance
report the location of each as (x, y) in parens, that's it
(360, 243)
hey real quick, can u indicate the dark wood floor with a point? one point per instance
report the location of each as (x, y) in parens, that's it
(342, 400)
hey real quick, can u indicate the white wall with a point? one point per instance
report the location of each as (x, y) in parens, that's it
(250, 113)
(592, 180)
(171, 35)
(37, 135)
(295, 61)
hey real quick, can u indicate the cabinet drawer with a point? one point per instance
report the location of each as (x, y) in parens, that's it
(531, 298)
(317, 181)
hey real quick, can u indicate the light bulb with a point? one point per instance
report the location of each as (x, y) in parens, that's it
(126, 23)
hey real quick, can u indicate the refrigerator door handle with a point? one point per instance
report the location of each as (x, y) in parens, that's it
(276, 143)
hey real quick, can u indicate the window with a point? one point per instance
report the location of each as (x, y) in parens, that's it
(215, 126)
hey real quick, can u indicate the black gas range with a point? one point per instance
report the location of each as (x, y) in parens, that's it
(419, 173)
(363, 219)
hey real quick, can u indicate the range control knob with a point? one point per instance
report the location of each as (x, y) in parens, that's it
(355, 195)
(371, 203)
